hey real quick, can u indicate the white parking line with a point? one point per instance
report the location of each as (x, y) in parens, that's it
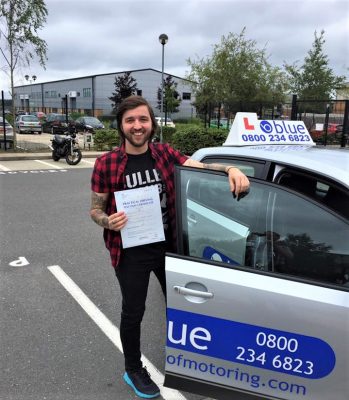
(49, 164)
(110, 330)
(88, 162)
(3, 168)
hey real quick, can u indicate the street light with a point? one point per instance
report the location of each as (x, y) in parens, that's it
(163, 39)
(30, 79)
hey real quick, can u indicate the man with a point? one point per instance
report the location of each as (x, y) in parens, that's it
(139, 163)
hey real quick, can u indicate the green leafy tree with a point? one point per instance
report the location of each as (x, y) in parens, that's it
(20, 21)
(125, 86)
(236, 75)
(314, 80)
(171, 97)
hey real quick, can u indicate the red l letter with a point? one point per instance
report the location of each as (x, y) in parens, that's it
(247, 126)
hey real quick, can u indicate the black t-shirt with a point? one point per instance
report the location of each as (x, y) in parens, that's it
(140, 172)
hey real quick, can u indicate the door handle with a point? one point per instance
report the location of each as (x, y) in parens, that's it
(192, 292)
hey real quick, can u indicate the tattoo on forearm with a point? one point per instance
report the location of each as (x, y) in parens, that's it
(215, 167)
(97, 211)
(100, 217)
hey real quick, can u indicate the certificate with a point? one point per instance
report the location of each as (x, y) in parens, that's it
(143, 210)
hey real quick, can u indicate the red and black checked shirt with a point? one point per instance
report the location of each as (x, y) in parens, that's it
(108, 177)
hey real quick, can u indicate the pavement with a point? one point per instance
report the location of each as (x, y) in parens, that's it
(36, 147)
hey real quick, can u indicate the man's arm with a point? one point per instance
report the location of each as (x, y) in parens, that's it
(114, 221)
(238, 181)
(98, 207)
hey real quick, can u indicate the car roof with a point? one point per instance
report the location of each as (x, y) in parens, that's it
(286, 143)
(332, 163)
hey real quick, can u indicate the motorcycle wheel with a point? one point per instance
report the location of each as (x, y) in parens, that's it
(55, 157)
(75, 158)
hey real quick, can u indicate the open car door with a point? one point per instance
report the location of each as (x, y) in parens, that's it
(258, 294)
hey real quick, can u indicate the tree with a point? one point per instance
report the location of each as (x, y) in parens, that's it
(125, 86)
(171, 97)
(314, 80)
(236, 74)
(20, 21)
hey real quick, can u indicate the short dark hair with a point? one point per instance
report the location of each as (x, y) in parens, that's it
(130, 103)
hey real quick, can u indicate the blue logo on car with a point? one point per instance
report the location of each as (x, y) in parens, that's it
(266, 126)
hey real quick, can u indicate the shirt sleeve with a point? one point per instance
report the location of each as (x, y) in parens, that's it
(179, 158)
(98, 177)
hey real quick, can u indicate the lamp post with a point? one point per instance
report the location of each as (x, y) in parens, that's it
(30, 79)
(163, 39)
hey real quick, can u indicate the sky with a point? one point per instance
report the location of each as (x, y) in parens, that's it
(88, 37)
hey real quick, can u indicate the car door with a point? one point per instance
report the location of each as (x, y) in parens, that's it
(258, 294)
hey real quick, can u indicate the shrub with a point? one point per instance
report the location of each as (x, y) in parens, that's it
(191, 138)
(106, 139)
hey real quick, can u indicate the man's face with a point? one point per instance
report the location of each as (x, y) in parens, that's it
(137, 128)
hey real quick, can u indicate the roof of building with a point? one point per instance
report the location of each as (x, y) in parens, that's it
(105, 74)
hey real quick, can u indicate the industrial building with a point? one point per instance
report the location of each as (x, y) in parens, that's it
(89, 95)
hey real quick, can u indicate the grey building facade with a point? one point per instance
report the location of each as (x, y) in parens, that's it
(89, 95)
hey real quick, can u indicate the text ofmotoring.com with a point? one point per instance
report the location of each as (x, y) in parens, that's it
(237, 375)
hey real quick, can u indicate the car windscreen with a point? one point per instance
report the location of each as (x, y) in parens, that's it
(30, 118)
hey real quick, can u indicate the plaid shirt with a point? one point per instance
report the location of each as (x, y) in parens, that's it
(108, 177)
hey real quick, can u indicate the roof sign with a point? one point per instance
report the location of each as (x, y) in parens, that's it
(247, 130)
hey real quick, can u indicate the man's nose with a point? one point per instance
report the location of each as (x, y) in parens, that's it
(137, 124)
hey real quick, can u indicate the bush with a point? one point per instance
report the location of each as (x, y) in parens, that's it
(191, 138)
(106, 139)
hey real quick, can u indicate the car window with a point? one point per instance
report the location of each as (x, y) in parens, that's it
(327, 193)
(272, 229)
(30, 118)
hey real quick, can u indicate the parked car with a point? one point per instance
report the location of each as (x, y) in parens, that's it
(223, 123)
(20, 112)
(28, 124)
(9, 131)
(339, 133)
(169, 122)
(319, 130)
(57, 123)
(258, 292)
(88, 124)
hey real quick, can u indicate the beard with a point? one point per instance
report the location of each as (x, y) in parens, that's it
(138, 141)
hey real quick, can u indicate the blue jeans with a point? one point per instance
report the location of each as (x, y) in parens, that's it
(134, 280)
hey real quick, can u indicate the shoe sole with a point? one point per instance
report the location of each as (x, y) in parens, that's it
(138, 393)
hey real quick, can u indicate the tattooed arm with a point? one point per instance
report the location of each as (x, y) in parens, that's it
(114, 221)
(98, 207)
(238, 181)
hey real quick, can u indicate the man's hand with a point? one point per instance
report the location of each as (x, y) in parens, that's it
(238, 181)
(117, 221)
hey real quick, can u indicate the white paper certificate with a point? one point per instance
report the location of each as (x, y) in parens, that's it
(143, 210)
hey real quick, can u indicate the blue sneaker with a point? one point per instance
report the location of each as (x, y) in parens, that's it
(142, 384)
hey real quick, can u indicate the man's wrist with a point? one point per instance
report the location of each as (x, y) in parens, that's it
(229, 167)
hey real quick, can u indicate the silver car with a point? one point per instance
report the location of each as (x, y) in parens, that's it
(28, 124)
(258, 294)
(9, 133)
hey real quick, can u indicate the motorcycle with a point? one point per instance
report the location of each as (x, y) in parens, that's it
(67, 147)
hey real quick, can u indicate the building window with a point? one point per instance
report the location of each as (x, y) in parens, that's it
(186, 96)
(139, 92)
(47, 94)
(86, 92)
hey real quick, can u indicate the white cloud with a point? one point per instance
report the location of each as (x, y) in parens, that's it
(87, 37)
